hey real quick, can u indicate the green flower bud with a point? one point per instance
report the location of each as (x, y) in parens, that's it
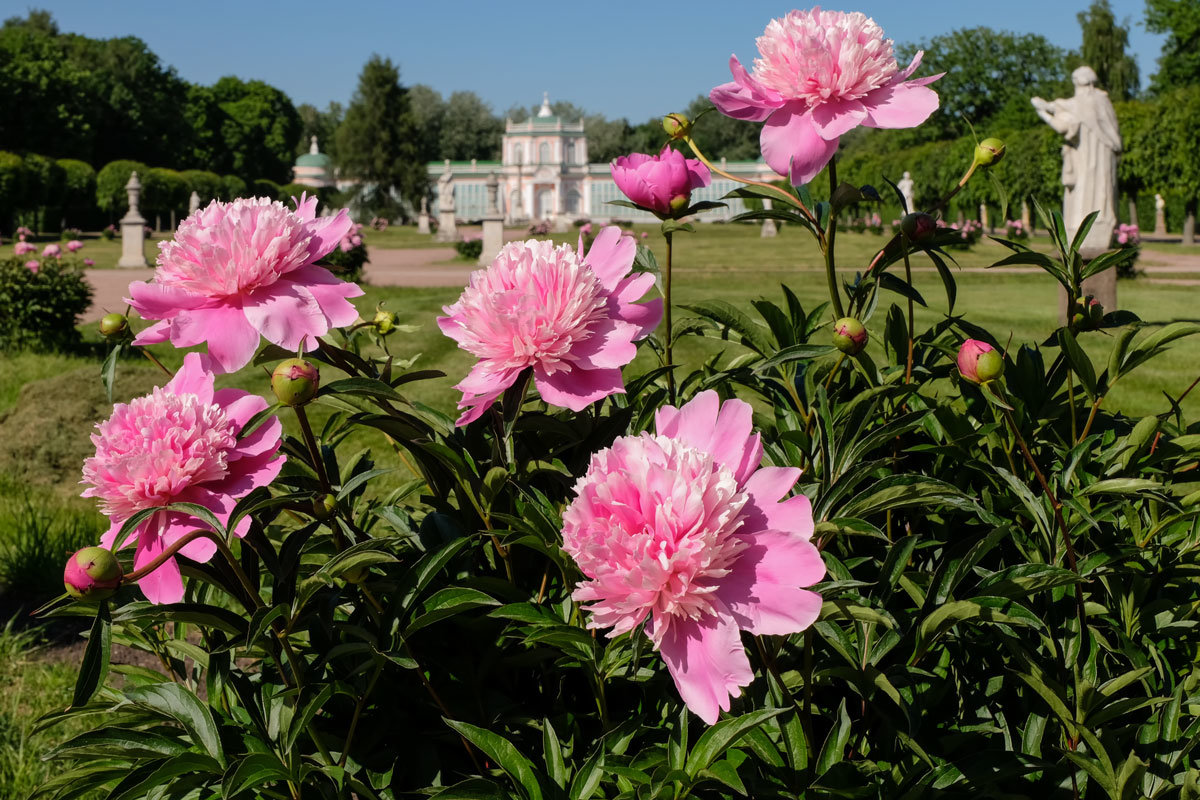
(677, 126)
(384, 322)
(295, 382)
(679, 203)
(113, 324)
(849, 336)
(324, 507)
(92, 574)
(989, 366)
(989, 152)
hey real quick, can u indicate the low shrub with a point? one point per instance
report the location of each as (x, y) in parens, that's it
(469, 249)
(350, 256)
(40, 305)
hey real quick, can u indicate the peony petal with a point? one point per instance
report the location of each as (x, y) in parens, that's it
(791, 145)
(163, 585)
(330, 292)
(834, 119)
(578, 388)
(286, 314)
(157, 333)
(610, 344)
(899, 105)
(239, 405)
(744, 98)
(158, 301)
(764, 587)
(706, 659)
(193, 378)
(696, 421)
(611, 255)
(231, 339)
(765, 487)
(327, 232)
(732, 436)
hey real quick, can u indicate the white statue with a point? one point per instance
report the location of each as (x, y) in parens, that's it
(1160, 215)
(1089, 173)
(905, 185)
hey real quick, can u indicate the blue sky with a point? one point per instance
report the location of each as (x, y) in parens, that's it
(619, 58)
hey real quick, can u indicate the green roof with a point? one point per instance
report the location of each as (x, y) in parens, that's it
(313, 160)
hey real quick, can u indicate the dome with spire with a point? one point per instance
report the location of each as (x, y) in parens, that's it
(313, 168)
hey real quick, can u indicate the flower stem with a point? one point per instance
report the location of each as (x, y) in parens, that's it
(154, 360)
(908, 361)
(830, 235)
(313, 450)
(668, 344)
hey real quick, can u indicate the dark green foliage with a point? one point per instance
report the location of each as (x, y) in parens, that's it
(12, 188)
(233, 187)
(265, 188)
(38, 310)
(348, 264)
(207, 185)
(78, 200)
(163, 191)
(259, 129)
(110, 185)
(35, 545)
(1179, 64)
(1104, 43)
(469, 248)
(378, 140)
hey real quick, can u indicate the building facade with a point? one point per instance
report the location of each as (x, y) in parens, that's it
(313, 168)
(544, 174)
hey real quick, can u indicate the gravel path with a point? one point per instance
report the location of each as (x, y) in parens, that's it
(422, 267)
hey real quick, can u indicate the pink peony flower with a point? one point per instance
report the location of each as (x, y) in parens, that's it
(32, 265)
(74, 245)
(179, 444)
(820, 74)
(51, 251)
(572, 319)
(87, 262)
(23, 247)
(684, 532)
(661, 183)
(241, 269)
(586, 229)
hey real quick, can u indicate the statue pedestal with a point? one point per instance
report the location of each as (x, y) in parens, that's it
(423, 223)
(1103, 287)
(1160, 223)
(133, 239)
(769, 229)
(447, 227)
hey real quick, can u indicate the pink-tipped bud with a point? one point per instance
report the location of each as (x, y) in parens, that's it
(295, 382)
(92, 574)
(849, 335)
(113, 325)
(918, 227)
(979, 362)
(677, 126)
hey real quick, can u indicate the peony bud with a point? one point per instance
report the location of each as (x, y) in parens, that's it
(918, 226)
(113, 324)
(979, 362)
(324, 506)
(989, 152)
(384, 322)
(849, 336)
(677, 126)
(92, 574)
(295, 382)
(679, 203)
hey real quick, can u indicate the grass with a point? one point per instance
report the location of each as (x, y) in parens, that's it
(105, 252)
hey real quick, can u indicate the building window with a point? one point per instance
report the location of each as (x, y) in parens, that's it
(570, 159)
(517, 154)
(544, 153)
(573, 199)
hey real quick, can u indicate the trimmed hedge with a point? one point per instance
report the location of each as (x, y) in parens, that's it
(39, 310)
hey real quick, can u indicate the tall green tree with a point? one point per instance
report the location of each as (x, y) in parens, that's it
(322, 124)
(1104, 43)
(990, 76)
(259, 129)
(377, 141)
(469, 128)
(1179, 64)
(429, 110)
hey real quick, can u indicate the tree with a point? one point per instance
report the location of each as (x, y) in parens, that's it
(322, 124)
(720, 136)
(469, 129)
(259, 129)
(429, 110)
(1179, 64)
(1104, 43)
(377, 141)
(990, 76)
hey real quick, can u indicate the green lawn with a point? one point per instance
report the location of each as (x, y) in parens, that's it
(105, 252)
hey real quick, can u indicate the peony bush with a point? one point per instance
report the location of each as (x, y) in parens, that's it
(843, 556)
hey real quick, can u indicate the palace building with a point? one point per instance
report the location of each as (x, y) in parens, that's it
(544, 174)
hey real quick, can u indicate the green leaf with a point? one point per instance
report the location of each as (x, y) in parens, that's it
(552, 753)
(731, 317)
(506, 756)
(1121, 486)
(177, 702)
(834, 749)
(448, 602)
(797, 352)
(94, 667)
(1079, 361)
(301, 721)
(253, 771)
(998, 610)
(720, 737)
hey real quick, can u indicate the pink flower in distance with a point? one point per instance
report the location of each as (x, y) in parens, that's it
(239, 270)
(74, 245)
(179, 444)
(23, 247)
(685, 532)
(87, 262)
(818, 75)
(32, 265)
(661, 183)
(572, 319)
(51, 251)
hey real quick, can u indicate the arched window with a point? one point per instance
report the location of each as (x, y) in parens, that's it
(573, 202)
(516, 153)
(544, 153)
(570, 159)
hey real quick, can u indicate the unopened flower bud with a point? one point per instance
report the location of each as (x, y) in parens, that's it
(92, 574)
(979, 362)
(677, 126)
(989, 152)
(679, 202)
(918, 226)
(295, 382)
(324, 506)
(385, 322)
(113, 324)
(849, 335)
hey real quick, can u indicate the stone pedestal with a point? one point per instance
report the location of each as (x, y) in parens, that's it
(1026, 217)
(769, 226)
(423, 217)
(133, 228)
(493, 223)
(193, 203)
(1103, 287)
(1160, 215)
(983, 218)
